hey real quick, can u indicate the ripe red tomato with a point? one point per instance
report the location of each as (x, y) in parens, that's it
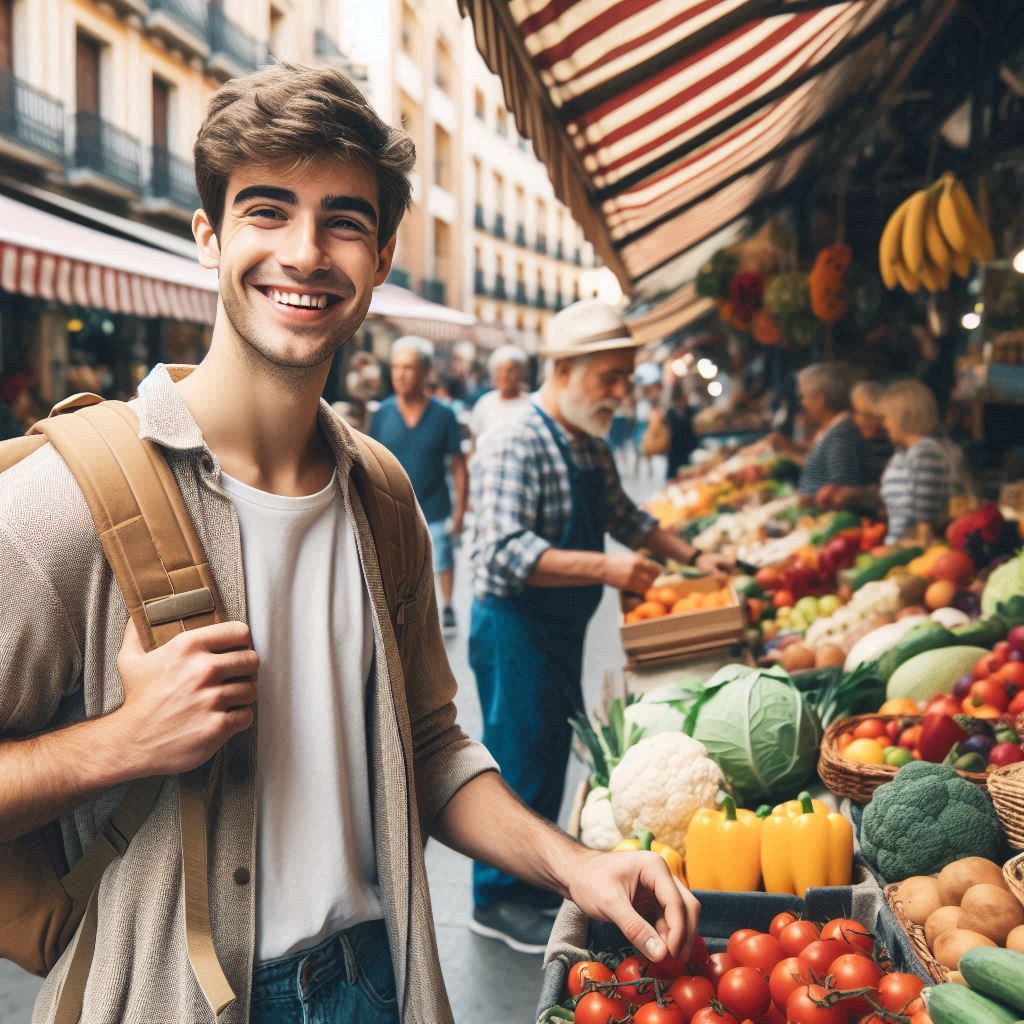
(582, 972)
(691, 993)
(988, 664)
(760, 951)
(797, 936)
(847, 930)
(597, 1008)
(709, 1015)
(737, 937)
(817, 958)
(783, 599)
(869, 729)
(718, 964)
(652, 1013)
(673, 967)
(944, 704)
(990, 691)
(773, 1016)
(1012, 674)
(802, 1007)
(744, 992)
(779, 921)
(784, 980)
(1017, 705)
(854, 970)
(893, 729)
(897, 991)
(909, 737)
(634, 968)
(698, 958)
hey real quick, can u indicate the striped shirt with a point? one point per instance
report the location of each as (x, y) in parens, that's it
(523, 502)
(916, 487)
(840, 455)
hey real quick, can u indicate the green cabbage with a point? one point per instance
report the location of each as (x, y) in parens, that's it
(1006, 581)
(663, 709)
(757, 726)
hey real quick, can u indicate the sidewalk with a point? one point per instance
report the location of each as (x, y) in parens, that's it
(478, 972)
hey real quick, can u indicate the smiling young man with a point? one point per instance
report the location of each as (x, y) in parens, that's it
(318, 895)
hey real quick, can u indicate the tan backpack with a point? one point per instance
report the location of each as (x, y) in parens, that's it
(152, 546)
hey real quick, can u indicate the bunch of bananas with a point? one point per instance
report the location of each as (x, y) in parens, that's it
(932, 235)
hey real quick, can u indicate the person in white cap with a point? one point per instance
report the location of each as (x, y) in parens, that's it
(546, 491)
(506, 403)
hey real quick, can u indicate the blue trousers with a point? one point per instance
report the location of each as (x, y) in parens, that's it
(527, 692)
(347, 979)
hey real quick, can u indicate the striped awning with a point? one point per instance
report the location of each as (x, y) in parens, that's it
(49, 257)
(662, 121)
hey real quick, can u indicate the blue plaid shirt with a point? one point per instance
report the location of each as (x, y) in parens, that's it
(522, 502)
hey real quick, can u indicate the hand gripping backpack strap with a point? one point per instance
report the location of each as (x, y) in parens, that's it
(152, 546)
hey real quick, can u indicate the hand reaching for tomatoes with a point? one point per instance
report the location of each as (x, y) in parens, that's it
(637, 892)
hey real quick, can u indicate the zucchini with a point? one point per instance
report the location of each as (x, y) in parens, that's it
(926, 636)
(954, 1004)
(997, 973)
(878, 569)
(983, 633)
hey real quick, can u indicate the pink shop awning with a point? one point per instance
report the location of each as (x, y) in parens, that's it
(49, 257)
(412, 314)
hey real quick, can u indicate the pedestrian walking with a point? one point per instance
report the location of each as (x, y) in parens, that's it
(302, 895)
(506, 402)
(423, 434)
(545, 493)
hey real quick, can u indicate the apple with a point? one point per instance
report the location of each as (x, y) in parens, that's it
(829, 604)
(807, 607)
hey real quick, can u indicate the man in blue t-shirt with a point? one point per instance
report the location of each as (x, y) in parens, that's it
(422, 433)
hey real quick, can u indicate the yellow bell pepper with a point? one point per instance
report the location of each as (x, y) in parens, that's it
(723, 849)
(670, 855)
(804, 845)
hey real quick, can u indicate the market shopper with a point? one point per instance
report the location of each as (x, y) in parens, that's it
(506, 402)
(424, 435)
(318, 897)
(545, 494)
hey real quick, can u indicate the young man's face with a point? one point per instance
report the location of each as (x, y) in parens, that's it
(298, 258)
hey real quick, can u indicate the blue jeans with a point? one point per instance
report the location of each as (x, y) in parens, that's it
(441, 543)
(346, 980)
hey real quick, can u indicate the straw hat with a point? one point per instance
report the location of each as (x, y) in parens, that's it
(585, 327)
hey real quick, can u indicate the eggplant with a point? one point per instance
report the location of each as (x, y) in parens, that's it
(963, 686)
(968, 602)
(980, 727)
(976, 745)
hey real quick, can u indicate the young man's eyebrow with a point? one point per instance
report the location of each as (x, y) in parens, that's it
(281, 195)
(352, 204)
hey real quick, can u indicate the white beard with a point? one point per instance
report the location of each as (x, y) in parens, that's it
(593, 418)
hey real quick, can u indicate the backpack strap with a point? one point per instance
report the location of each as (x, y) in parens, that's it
(151, 543)
(391, 509)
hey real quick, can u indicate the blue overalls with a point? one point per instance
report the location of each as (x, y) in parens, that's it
(527, 654)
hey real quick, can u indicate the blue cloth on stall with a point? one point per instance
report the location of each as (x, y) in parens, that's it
(526, 651)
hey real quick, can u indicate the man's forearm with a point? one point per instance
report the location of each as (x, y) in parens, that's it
(46, 776)
(485, 820)
(460, 478)
(668, 545)
(557, 568)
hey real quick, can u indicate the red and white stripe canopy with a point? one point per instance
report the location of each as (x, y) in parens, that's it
(48, 257)
(662, 121)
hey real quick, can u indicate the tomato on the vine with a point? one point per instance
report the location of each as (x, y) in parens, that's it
(851, 971)
(634, 969)
(737, 937)
(674, 967)
(652, 1013)
(691, 993)
(897, 992)
(698, 958)
(773, 1016)
(719, 964)
(817, 958)
(582, 972)
(796, 937)
(847, 930)
(597, 1008)
(779, 921)
(760, 951)
(785, 979)
(709, 1015)
(744, 992)
(803, 1007)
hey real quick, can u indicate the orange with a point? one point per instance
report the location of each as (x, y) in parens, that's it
(865, 751)
(666, 595)
(899, 706)
(650, 610)
(940, 594)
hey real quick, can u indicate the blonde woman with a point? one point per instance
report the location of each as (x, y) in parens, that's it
(920, 477)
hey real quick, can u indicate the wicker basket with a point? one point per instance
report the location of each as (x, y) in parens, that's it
(1006, 787)
(916, 935)
(1013, 872)
(859, 781)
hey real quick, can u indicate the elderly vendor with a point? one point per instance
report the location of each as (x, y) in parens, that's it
(546, 492)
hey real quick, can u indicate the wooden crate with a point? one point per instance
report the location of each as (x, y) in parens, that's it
(676, 637)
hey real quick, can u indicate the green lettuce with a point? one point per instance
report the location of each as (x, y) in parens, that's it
(1005, 582)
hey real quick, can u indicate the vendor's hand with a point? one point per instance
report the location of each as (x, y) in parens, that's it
(715, 564)
(632, 572)
(828, 496)
(636, 892)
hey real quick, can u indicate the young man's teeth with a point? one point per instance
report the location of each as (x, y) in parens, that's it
(291, 299)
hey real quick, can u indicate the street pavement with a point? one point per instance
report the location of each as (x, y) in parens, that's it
(482, 975)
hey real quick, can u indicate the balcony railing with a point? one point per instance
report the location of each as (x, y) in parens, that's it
(521, 299)
(173, 179)
(541, 244)
(432, 290)
(520, 235)
(399, 277)
(189, 15)
(31, 117)
(499, 288)
(478, 218)
(480, 284)
(499, 226)
(577, 258)
(325, 46)
(540, 299)
(559, 251)
(229, 38)
(101, 147)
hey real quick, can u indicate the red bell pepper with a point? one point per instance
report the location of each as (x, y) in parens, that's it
(939, 733)
(987, 520)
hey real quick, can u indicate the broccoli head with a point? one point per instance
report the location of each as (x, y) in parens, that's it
(926, 818)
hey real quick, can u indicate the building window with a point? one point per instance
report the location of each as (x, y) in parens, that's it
(408, 31)
(502, 123)
(479, 105)
(87, 74)
(442, 158)
(443, 66)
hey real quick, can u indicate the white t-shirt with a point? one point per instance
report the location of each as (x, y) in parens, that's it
(312, 627)
(491, 410)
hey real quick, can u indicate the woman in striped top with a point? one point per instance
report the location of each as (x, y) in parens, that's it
(918, 482)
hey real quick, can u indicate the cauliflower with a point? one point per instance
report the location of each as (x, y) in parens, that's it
(597, 823)
(660, 783)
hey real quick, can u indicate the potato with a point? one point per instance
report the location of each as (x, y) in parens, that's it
(1015, 940)
(919, 896)
(940, 921)
(956, 878)
(828, 655)
(952, 945)
(991, 911)
(796, 657)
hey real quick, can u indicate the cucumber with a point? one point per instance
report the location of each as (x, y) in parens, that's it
(877, 569)
(955, 1004)
(997, 973)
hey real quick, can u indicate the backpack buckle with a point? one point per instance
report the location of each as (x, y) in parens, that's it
(178, 606)
(115, 838)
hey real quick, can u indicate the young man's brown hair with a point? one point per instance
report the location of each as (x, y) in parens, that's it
(292, 115)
